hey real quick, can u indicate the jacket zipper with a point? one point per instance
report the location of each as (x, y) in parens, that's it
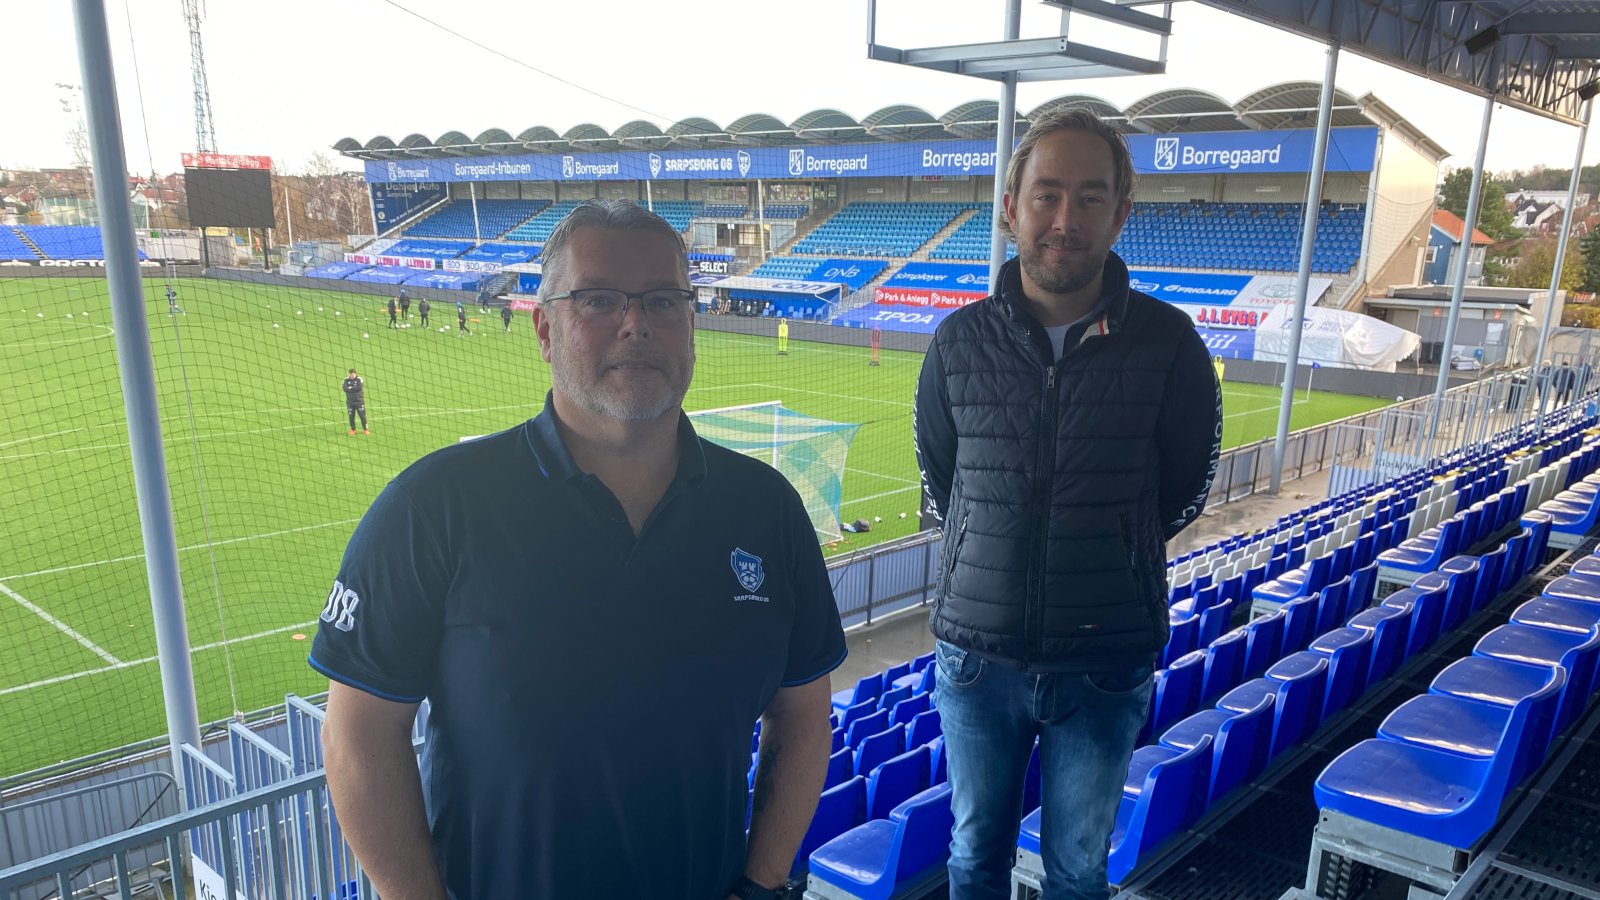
(1033, 605)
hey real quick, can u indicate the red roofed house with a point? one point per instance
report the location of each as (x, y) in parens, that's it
(1443, 239)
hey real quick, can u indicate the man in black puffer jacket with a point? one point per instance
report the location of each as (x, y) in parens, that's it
(1067, 427)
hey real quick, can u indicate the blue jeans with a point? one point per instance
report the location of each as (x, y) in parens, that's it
(1085, 724)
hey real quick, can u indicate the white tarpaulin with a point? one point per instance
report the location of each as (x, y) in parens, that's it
(1334, 337)
(1253, 324)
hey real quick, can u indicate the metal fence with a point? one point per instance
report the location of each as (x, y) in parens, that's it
(279, 835)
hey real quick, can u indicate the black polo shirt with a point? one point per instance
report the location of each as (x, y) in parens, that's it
(592, 694)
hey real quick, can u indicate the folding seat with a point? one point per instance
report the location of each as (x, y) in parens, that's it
(1456, 593)
(860, 710)
(1540, 527)
(894, 781)
(841, 768)
(894, 672)
(1363, 581)
(1224, 663)
(882, 858)
(1214, 621)
(1420, 555)
(861, 728)
(1184, 635)
(869, 687)
(1575, 652)
(906, 710)
(1263, 644)
(923, 729)
(1331, 606)
(1441, 796)
(890, 698)
(1298, 687)
(1157, 803)
(1176, 691)
(1349, 654)
(1427, 614)
(1299, 621)
(1240, 742)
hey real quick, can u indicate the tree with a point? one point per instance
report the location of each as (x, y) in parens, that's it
(1539, 258)
(1494, 217)
(1590, 247)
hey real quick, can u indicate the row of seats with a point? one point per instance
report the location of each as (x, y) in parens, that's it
(879, 229)
(53, 242)
(493, 219)
(1443, 764)
(1267, 690)
(853, 273)
(537, 229)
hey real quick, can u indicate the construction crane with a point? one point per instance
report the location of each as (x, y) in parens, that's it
(205, 133)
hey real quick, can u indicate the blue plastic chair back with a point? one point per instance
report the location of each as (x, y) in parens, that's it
(1299, 707)
(924, 832)
(1240, 751)
(924, 728)
(864, 727)
(1167, 803)
(1185, 632)
(1362, 583)
(899, 670)
(1224, 668)
(1177, 691)
(877, 749)
(1264, 644)
(1213, 622)
(841, 768)
(894, 781)
(840, 809)
(890, 698)
(1331, 608)
(1299, 621)
(908, 709)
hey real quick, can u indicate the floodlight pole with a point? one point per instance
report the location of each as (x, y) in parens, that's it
(1458, 282)
(1561, 250)
(472, 192)
(136, 368)
(1004, 138)
(1302, 280)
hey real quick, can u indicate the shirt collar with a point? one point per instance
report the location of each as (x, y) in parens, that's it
(1110, 309)
(555, 461)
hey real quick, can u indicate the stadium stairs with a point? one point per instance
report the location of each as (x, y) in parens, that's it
(28, 242)
(925, 252)
(803, 229)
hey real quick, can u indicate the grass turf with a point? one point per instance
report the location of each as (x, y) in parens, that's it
(266, 484)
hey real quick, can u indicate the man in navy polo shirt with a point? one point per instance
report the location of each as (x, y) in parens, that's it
(597, 625)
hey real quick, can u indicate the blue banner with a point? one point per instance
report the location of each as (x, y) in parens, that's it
(1229, 344)
(922, 321)
(392, 203)
(1189, 287)
(942, 276)
(1350, 150)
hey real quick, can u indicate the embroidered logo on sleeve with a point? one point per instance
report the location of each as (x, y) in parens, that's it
(340, 610)
(747, 568)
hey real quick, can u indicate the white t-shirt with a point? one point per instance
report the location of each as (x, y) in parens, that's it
(1058, 337)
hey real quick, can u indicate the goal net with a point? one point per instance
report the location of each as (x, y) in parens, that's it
(809, 451)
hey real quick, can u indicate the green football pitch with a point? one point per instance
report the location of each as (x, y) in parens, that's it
(267, 485)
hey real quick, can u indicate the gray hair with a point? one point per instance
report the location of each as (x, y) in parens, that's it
(1067, 118)
(615, 215)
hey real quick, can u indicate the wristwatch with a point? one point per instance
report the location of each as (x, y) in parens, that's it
(746, 889)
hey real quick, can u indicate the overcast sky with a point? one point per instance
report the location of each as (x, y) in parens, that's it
(290, 78)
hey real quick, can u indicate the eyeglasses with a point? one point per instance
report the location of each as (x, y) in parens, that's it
(610, 303)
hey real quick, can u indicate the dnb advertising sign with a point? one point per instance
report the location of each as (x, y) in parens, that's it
(1349, 150)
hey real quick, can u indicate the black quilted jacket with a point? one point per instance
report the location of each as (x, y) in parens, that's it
(1059, 484)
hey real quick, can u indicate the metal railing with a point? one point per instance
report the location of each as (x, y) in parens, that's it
(47, 824)
(278, 837)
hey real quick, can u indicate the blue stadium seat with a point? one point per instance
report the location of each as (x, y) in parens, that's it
(841, 767)
(1349, 655)
(1263, 644)
(868, 687)
(841, 808)
(1161, 803)
(907, 710)
(1297, 701)
(877, 859)
(1240, 743)
(857, 732)
(894, 781)
(1224, 669)
(924, 728)
(1577, 653)
(1176, 691)
(1441, 796)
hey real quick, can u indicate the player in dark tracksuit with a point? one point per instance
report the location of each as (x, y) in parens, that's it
(422, 308)
(394, 308)
(405, 306)
(461, 320)
(355, 401)
(505, 315)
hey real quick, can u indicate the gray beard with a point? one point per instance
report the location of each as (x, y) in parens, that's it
(635, 408)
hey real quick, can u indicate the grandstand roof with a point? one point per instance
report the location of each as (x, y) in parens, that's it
(1287, 105)
(1540, 56)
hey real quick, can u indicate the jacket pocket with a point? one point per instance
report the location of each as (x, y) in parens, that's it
(949, 555)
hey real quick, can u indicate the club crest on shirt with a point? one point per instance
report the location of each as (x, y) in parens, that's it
(747, 568)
